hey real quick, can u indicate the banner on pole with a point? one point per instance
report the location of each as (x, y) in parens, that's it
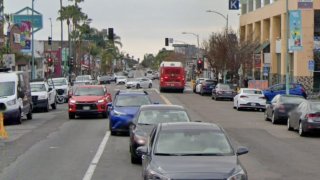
(295, 30)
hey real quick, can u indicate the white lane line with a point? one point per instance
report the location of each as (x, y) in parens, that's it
(96, 158)
(166, 100)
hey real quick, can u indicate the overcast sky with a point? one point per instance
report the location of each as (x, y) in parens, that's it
(142, 24)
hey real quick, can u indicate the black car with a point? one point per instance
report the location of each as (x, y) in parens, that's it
(223, 91)
(190, 151)
(147, 117)
(280, 106)
(305, 118)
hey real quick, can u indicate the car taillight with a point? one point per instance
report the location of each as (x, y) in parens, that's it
(242, 96)
(262, 97)
(166, 77)
(312, 116)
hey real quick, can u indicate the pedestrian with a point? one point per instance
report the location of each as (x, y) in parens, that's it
(245, 82)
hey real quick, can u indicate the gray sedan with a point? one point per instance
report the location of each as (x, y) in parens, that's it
(190, 151)
(305, 118)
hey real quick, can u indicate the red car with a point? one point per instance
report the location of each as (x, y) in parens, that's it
(89, 100)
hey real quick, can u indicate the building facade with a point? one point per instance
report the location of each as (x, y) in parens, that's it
(264, 21)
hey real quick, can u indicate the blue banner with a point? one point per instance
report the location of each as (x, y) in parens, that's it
(295, 30)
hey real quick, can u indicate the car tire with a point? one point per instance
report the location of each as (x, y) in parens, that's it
(113, 133)
(273, 119)
(215, 98)
(105, 114)
(300, 130)
(54, 105)
(150, 85)
(288, 125)
(134, 160)
(46, 109)
(72, 115)
(29, 115)
(201, 92)
(238, 108)
(18, 119)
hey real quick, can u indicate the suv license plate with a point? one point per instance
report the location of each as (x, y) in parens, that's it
(86, 107)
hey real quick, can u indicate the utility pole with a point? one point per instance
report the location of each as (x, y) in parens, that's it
(61, 42)
(287, 48)
(32, 43)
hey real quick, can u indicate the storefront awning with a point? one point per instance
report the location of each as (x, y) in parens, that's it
(261, 47)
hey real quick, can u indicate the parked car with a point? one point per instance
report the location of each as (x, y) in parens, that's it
(249, 98)
(305, 118)
(87, 79)
(295, 89)
(131, 74)
(207, 86)
(191, 150)
(89, 100)
(15, 95)
(125, 106)
(43, 96)
(199, 85)
(149, 116)
(223, 91)
(139, 83)
(61, 85)
(280, 106)
(149, 74)
(104, 79)
(198, 81)
(121, 80)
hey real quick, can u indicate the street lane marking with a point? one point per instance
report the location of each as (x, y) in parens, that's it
(96, 158)
(166, 100)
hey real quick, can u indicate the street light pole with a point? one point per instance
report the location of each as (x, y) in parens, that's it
(226, 31)
(32, 43)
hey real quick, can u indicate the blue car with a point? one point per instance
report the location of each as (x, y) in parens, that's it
(207, 86)
(124, 107)
(295, 89)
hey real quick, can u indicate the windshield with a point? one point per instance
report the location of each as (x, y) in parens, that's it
(7, 88)
(38, 87)
(224, 87)
(192, 142)
(58, 82)
(252, 91)
(162, 116)
(89, 91)
(138, 100)
(292, 100)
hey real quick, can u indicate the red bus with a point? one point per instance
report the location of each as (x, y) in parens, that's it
(172, 76)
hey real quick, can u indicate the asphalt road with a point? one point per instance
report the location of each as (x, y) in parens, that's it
(52, 147)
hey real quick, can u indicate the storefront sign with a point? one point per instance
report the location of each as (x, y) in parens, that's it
(305, 4)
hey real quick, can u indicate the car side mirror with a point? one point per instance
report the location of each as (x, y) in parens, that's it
(50, 89)
(142, 150)
(242, 150)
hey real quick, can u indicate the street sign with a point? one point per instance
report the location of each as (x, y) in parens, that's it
(266, 71)
(234, 4)
(311, 65)
(305, 4)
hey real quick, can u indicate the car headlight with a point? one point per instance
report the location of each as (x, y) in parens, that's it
(12, 102)
(41, 97)
(239, 175)
(117, 113)
(140, 139)
(72, 101)
(153, 175)
(101, 101)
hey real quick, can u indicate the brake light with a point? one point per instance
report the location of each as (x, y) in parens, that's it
(242, 96)
(312, 116)
(166, 77)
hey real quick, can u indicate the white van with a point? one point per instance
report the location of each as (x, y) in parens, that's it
(15, 96)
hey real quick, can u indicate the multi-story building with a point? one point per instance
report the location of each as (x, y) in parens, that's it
(265, 21)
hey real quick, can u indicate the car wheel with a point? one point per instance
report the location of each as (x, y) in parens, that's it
(201, 92)
(288, 125)
(134, 159)
(238, 108)
(138, 86)
(46, 109)
(150, 85)
(301, 131)
(273, 119)
(54, 105)
(18, 119)
(110, 128)
(72, 115)
(105, 114)
(216, 98)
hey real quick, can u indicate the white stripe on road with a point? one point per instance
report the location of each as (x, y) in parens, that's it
(166, 100)
(95, 160)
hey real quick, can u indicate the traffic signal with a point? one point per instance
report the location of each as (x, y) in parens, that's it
(50, 61)
(167, 41)
(49, 40)
(71, 62)
(200, 65)
(110, 34)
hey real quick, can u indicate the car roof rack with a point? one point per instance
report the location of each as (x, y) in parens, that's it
(131, 91)
(5, 69)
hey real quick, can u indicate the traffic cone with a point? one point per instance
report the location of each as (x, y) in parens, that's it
(3, 132)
